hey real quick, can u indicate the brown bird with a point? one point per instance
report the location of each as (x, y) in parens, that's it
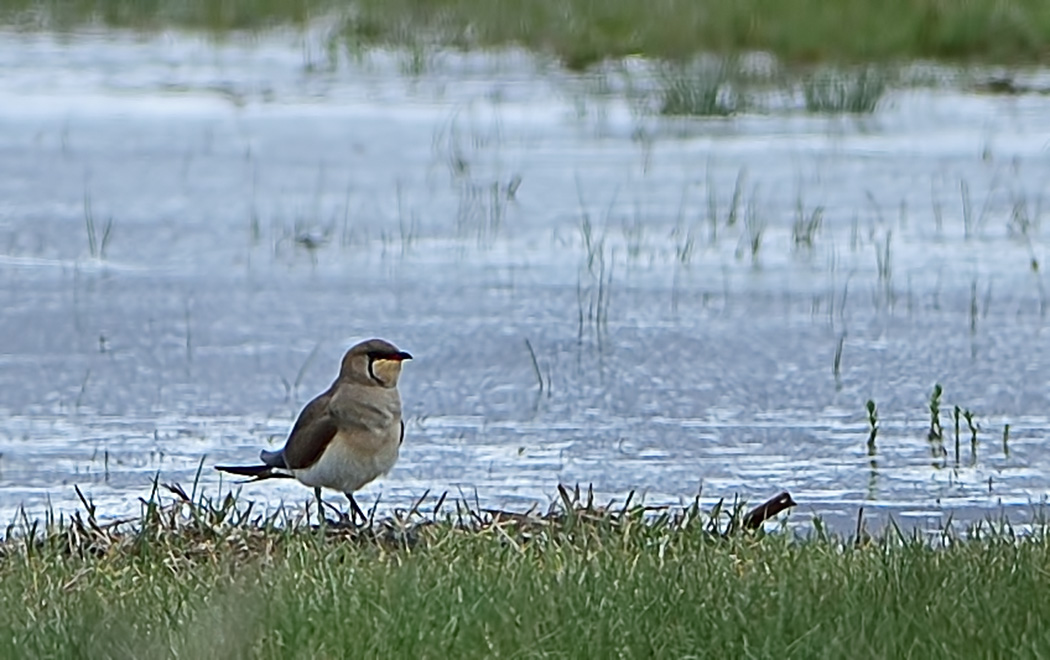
(347, 436)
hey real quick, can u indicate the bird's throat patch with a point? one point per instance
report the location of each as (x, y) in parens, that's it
(385, 372)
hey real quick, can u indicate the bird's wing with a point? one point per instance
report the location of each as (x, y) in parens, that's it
(312, 432)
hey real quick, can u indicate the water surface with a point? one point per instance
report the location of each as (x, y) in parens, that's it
(269, 207)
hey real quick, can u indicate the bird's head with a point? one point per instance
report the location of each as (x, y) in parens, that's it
(373, 362)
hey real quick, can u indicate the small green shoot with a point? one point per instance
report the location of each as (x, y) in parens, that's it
(936, 433)
(873, 424)
(955, 418)
(973, 307)
(806, 226)
(738, 194)
(535, 363)
(96, 244)
(968, 416)
(836, 367)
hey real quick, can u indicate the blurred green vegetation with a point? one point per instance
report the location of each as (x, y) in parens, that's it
(582, 32)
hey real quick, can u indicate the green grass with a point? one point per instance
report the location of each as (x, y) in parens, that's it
(855, 92)
(581, 32)
(703, 90)
(218, 16)
(210, 580)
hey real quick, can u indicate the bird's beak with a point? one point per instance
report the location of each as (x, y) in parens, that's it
(402, 355)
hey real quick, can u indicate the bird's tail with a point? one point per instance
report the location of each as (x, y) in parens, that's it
(256, 472)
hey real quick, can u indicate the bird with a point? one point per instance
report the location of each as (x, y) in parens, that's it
(348, 435)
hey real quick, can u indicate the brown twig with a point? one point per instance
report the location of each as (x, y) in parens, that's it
(755, 517)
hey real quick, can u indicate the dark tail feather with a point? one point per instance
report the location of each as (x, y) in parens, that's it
(273, 458)
(256, 472)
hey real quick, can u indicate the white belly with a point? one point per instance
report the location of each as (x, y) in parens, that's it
(346, 467)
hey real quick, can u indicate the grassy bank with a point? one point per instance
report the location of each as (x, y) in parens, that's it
(209, 580)
(580, 32)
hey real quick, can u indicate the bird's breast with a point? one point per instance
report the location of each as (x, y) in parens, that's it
(373, 409)
(351, 460)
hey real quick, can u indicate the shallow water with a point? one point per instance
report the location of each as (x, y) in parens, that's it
(270, 207)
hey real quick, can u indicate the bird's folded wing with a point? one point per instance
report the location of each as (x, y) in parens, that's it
(308, 442)
(313, 411)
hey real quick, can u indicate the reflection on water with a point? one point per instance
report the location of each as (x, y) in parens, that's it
(710, 302)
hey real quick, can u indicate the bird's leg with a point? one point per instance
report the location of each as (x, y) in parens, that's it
(355, 510)
(320, 505)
